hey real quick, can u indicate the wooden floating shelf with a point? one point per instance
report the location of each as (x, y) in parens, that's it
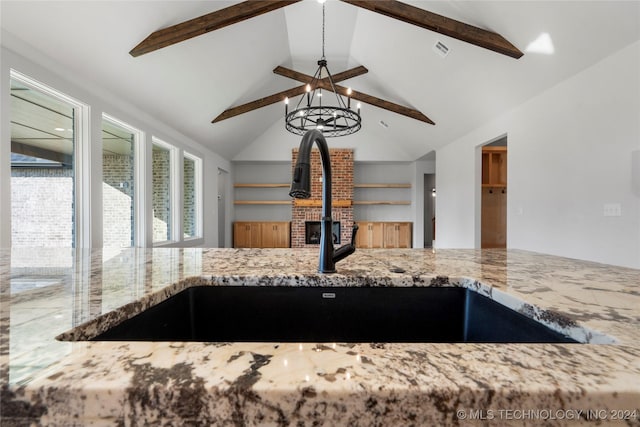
(318, 203)
(262, 202)
(250, 185)
(494, 185)
(382, 202)
(382, 185)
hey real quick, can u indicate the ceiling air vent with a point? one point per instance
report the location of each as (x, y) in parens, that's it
(440, 49)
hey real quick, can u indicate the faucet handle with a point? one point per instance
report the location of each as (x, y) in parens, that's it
(346, 250)
(354, 231)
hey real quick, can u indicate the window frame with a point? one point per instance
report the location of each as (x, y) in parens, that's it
(139, 167)
(198, 196)
(174, 191)
(81, 158)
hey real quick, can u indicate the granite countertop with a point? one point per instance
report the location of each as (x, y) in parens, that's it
(46, 293)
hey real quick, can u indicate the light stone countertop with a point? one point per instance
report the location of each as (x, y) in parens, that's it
(45, 293)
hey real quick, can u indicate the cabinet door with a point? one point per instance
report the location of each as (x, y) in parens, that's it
(275, 234)
(390, 235)
(362, 238)
(376, 237)
(404, 235)
(370, 235)
(246, 235)
(241, 237)
(397, 235)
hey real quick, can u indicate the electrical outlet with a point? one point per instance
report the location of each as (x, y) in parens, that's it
(612, 209)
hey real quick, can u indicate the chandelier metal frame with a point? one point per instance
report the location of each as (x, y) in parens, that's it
(332, 121)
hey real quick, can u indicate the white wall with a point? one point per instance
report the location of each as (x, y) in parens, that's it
(570, 152)
(42, 68)
(370, 144)
(262, 172)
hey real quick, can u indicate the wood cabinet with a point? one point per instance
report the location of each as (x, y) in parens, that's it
(494, 197)
(494, 167)
(370, 235)
(250, 234)
(276, 234)
(397, 235)
(376, 234)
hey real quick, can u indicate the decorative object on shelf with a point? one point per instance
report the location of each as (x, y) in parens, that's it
(310, 113)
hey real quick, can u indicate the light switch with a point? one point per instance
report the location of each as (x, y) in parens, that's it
(612, 209)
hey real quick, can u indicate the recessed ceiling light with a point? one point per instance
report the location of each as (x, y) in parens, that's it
(59, 129)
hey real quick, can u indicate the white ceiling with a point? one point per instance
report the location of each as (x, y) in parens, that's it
(188, 84)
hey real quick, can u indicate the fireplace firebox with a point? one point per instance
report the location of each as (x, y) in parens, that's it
(312, 232)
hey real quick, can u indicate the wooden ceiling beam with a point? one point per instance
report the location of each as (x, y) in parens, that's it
(381, 103)
(280, 96)
(207, 23)
(440, 24)
(259, 103)
(305, 78)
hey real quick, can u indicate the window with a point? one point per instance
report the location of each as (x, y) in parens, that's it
(163, 195)
(118, 183)
(192, 197)
(46, 128)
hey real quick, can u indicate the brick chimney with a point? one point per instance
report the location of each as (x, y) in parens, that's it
(304, 210)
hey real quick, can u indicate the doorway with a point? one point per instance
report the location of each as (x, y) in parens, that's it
(429, 209)
(222, 207)
(493, 210)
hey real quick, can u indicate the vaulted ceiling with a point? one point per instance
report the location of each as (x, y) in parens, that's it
(188, 84)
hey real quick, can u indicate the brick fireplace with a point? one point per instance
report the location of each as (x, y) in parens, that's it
(304, 210)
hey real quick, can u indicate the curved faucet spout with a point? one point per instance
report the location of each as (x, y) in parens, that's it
(301, 188)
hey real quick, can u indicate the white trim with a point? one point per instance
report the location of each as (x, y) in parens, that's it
(5, 160)
(175, 188)
(198, 190)
(139, 183)
(174, 191)
(81, 159)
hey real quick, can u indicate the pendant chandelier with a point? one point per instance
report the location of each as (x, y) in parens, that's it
(310, 112)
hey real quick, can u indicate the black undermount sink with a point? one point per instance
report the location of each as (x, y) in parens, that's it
(331, 314)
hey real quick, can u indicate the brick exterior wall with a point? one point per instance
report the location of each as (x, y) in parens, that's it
(341, 189)
(42, 207)
(117, 195)
(189, 194)
(160, 167)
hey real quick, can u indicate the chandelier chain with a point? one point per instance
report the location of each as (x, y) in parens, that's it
(323, 57)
